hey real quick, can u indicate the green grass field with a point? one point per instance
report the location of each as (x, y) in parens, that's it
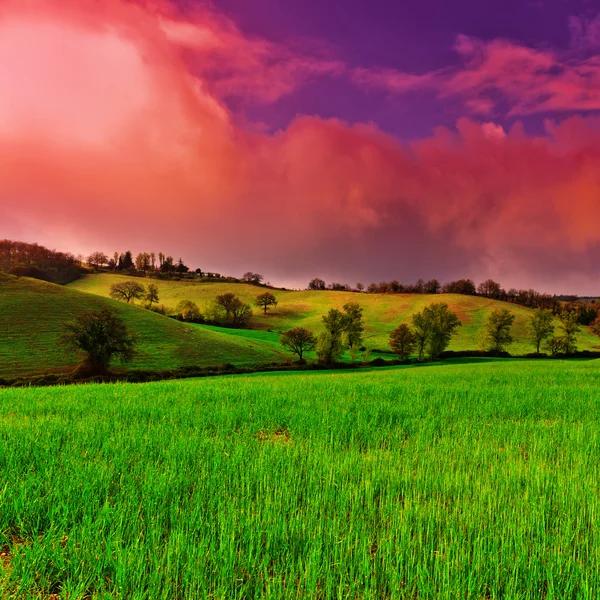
(33, 314)
(382, 312)
(467, 480)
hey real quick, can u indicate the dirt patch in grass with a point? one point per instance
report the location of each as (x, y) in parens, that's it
(279, 436)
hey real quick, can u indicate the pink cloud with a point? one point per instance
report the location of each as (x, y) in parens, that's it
(112, 138)
(530, 80)
(234, 64)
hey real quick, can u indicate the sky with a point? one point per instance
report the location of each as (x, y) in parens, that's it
(353, 141)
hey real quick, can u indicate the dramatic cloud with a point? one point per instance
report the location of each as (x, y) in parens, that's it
(114, 134)
(499, 72)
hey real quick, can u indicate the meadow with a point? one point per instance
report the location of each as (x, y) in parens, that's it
(382, 312)
(33, 315)
(469, 479)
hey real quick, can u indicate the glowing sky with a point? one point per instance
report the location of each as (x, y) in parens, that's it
(362, 141)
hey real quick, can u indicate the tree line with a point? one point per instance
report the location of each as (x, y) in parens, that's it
(161, 265)
(32, 260)
(586, 312)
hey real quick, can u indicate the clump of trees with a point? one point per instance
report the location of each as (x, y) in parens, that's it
(100, 336)
(566, 341)
(343, 330)
(431, 331)
(252, 278)
(32, 260)
(229, 309)
(188, 311)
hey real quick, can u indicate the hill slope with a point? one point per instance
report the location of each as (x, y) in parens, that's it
(382, 312)
(32, 317)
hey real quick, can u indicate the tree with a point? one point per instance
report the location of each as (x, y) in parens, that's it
(152, 294)
(334, 321)
(228, 302)
(127, 290)
(360, 287)
(595, 326)
(240, 314)
(252, 278)
(298, 340)
(540, 327)
(433, 328)
(316, 284)
(100, 335)
(187, 310)
(422, 330)
(443, 325)
(329, 348)
(569, 328)
(142, 261)
(353, 325)
(167, 265)
(402, 341)
(489, 289)
(97, 259)
(329, 343)
(432, 287)
(265, 300)
(181, 268)
(462, 286)
(125, 261)
(497, 330)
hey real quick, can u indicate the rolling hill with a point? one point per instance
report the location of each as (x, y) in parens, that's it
(305, 308)
(33, 313)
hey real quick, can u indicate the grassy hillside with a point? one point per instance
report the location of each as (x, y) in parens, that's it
(447, 481)
(32, 317)
(383, 312)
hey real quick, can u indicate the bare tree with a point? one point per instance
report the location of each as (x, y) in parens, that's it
(127, 290)
(298, 340)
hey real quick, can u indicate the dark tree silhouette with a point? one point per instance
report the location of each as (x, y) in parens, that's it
(127, 290)
(101, 336)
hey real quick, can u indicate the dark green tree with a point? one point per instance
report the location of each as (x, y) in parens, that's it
(433, 327)
(353, 325)
(540, 327)
(100, 336)
(497, 329)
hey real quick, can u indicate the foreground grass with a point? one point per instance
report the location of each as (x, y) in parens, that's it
(446, 481)
(383, 312)
(33, 316)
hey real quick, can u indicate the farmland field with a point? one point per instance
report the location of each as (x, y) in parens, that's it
(33, 315)
(305, 308)
(462, 480)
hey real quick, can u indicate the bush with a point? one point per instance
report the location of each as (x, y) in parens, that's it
(188, 311)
